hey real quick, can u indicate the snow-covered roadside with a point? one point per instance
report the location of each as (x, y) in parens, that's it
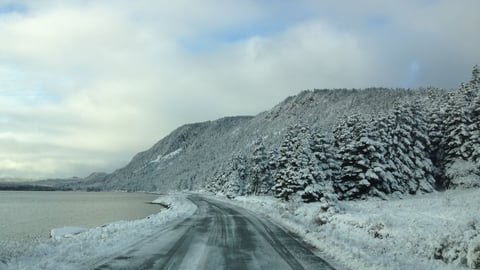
(420, 232)
(85, 249)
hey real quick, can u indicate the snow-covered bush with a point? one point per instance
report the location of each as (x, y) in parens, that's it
(463, 174)
(462, 248)
(473, 255)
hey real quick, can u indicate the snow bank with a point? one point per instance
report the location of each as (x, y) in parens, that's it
(65, 232)
(434, 231)
(89, 248)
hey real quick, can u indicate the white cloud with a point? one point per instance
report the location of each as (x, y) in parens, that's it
(86, 84)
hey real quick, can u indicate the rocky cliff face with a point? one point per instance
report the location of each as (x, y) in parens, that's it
(190, 156)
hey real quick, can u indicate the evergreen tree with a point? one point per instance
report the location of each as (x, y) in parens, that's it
(475, 77)
(410, 150)
(361, 161)
(239, 175)
(260, 178)
(457, 131)
(436, 133)
(231, 177)
(389, 154)
(273, 157)
(283, 174)
(420, 150)
(325, 169)
(461, 125)
(473, 142)
(384, 168)
(347, 129)
(458, 123)
(293, 172)
(218, 182)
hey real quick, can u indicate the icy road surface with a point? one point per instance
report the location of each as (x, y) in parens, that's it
(219, 236)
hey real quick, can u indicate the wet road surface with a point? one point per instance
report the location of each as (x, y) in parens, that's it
(219, 236)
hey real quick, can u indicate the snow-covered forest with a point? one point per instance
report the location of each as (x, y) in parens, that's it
(417, 146)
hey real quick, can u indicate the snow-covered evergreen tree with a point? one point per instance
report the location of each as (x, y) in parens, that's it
(240, 165)
(458, 123)
(294, 172)
(260, 177)
(474, 140)
(420, 150)
(347, 129)
(384, 167)
(361, 161)
(389, 154)
(230, 178)
(283, 173)
(325, 170)
(303, 162)
(435, 105)
(456, 128)
(220, 178)
(461, 125)
(410, 150)
(272, 166)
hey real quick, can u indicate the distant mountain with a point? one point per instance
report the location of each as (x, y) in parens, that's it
(14, 179)
(193, 155)
(25, 186)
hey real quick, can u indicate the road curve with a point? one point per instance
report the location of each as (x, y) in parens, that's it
(219, 236)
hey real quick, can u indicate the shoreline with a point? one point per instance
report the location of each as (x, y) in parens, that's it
(88, 249)
(17, 239)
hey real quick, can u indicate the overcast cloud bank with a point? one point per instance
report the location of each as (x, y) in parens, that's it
(85, 84)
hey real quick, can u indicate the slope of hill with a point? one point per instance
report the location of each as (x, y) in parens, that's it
(189, 157)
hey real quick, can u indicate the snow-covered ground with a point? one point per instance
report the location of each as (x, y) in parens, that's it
(78, 251)
(434, 231)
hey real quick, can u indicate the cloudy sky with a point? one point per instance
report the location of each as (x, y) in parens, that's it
(84, 84)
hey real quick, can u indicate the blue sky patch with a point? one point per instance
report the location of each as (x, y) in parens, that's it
(12, 8)
(377, 20)
(17, 85)
(210, 41)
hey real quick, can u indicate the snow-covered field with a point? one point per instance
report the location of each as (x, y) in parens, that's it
(78, 251)
(435, 231)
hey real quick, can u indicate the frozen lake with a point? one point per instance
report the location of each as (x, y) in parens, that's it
(30, 215)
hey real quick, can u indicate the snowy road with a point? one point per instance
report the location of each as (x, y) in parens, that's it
(219, 236)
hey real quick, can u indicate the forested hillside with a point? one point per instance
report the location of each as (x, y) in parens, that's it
(321, 145)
